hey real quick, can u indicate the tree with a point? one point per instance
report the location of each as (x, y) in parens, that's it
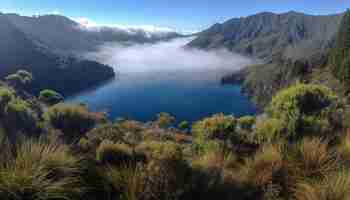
(340, 54)
(50, 97)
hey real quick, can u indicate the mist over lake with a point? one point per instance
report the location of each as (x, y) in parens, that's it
(165, 77)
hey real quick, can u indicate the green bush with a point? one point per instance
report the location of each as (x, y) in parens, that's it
(184, 125)
(6, 95)
(218, 126)
(114, 153)
(19, 116)
(246, 122)
(109, 131)
(160, 150)
(20, 79)
(165, 120)
(304, 108)
(268, 130)
(50, 97)
(73, 120)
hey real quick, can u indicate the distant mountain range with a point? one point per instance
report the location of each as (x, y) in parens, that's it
(46, 46)
(268, 35)
(61, 34)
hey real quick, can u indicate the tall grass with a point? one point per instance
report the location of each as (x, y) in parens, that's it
(40, 170)
(335, 186)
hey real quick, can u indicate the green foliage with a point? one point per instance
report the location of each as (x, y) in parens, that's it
(72, 120)
(165, 120)
(160, 150)
(184, 125)
(311, 158)
(219, 126)
(246, 122)
(50, 97)
(340, 55)
(40, 170)
(264, 167)
(269, 130)
(114, 153)
(20, 78)
(6, 95)
(18, 116)
(304, 108)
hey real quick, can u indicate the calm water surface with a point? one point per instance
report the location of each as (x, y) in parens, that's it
(188, 95)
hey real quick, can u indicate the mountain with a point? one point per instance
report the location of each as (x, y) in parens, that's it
(47, 47)
(64, 74)
(61, 34)
(268, 35)
(291, 47)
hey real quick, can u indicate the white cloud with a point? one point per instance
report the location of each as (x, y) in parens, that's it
(91, 25)
(55, 12)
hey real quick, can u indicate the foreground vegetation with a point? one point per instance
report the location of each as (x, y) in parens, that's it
(298, 149)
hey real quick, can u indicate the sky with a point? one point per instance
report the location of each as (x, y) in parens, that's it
(181, 15)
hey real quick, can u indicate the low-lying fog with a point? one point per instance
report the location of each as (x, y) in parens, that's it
(168, 56)
(164, 77)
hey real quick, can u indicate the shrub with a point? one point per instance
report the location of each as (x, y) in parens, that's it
(40, 170)
(344, 148)
(311, 158)
(19, 116)
(265, 167)
(129, 181)
(114, 153)
(246, 122)
(6, 95)
(219, 126)
(335, 186)
(109, 131)
(20, 79)
(304, 108)
(72, 120)
(160, 150)
(165, 120)
(50, 97)
(184, 125)
(268, 130)
(167, 173)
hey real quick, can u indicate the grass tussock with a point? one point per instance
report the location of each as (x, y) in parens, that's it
(40, 170)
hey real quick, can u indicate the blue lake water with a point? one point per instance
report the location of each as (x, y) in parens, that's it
(186, 95)
(165, 77)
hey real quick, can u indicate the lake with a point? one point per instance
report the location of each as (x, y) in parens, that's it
(166, 78)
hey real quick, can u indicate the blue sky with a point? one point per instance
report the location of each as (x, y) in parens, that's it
(177, 14)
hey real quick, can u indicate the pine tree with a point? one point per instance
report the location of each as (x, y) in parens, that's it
(340, 55)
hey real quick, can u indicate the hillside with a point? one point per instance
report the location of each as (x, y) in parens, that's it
(17, 51)
(268, 35)
(65, 36)
(291, 46)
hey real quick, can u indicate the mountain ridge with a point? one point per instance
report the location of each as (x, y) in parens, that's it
(268, 35)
